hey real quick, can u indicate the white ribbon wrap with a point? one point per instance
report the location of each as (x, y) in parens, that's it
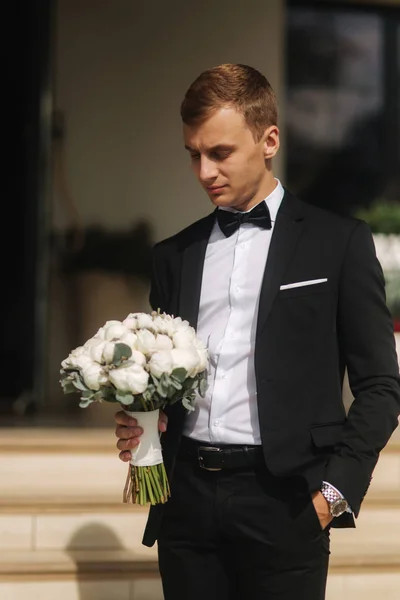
(148, 452)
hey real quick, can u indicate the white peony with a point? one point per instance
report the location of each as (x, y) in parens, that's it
(130, 322)
(108, 352)
(145, 341)
(203, 355)
(138, 358)
(164, 324)
(144, 321)
(96, 347)
(179, 323)
(115, 331)
(129, 339)
(80, 350)
(184, 338)
(186, 358)
(77, 359)
(132, 379)
(93, 376)
(163, 342)
(100, 333)
(161, 362)
(91, 342)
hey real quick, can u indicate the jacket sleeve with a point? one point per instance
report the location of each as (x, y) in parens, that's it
(367, 345)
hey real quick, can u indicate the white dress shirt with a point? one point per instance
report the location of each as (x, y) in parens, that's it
(232, 276)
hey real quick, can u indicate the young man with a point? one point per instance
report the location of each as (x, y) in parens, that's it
(286, 296)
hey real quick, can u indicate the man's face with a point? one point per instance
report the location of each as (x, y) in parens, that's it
(228, 162)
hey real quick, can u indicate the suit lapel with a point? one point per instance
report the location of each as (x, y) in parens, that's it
(287, 231)
(192, 271)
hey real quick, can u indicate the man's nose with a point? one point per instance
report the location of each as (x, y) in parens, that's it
(208, 170)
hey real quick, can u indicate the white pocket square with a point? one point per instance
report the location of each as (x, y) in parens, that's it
(288, 286)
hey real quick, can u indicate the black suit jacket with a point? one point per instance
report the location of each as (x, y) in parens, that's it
(305, 339)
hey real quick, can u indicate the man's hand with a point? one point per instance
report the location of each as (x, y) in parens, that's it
(321, 506)
(128, 432)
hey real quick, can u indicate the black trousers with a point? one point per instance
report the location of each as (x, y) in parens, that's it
(241, 534)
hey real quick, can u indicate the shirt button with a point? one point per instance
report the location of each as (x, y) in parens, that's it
(223, 375)
(216, 423)
(243, 245)
(231, 335)
(237, 288)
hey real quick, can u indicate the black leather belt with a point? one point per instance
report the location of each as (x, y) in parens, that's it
(216, 458)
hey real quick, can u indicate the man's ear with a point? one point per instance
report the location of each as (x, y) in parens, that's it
(271, 142)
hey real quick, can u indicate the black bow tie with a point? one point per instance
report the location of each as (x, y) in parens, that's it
(229, 222)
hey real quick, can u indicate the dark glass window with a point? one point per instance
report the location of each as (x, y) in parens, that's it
(342, 108)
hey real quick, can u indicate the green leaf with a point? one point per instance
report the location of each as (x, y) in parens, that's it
(187, 403)
(146, 395)
(163, 385)
(165, 378)
(151, 388)
(125, 364)
(154, 379)
(121, 352)
(177, 384)
(78, 383)
(124, 398)
(203, 387)
(162, 390)
(84, 403)
(171, 391)
(180, 374)
(194, 384)
(67, 386)
(107, 393)
(88, 394)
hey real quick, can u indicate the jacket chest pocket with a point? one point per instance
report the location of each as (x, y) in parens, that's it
(300, 290)
(305, 309)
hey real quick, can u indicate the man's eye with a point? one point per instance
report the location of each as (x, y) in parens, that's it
(221, 155)
(195, 156)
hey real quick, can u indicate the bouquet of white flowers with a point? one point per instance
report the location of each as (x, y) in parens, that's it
(146, 362)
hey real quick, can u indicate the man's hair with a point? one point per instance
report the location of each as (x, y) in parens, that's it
(236, 86)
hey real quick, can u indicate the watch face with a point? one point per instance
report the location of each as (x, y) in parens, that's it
(339, 507)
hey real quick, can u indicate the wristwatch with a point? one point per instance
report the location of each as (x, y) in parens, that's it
(337, 504)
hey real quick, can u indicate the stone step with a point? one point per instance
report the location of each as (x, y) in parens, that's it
(61, 464)
(63, 488)
(61, 497)
(127, 575)
(73, 530)
(123, 528)
(73, 575)
(107, 564)
(68, 465)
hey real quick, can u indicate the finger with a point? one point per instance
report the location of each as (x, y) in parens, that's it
(121, 418)
(125, 456)
(125, 433)
(163, 422)
(127, 444)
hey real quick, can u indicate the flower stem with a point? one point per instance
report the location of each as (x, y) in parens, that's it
(148, 485)
(158, 484)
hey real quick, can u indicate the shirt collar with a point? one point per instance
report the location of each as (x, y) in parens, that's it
(273, 201)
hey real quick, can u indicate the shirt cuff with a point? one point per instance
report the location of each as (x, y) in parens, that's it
(348, 509)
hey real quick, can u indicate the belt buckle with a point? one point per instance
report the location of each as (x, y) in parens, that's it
(200, 458)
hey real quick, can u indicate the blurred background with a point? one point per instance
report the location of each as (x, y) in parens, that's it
(103, 175)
